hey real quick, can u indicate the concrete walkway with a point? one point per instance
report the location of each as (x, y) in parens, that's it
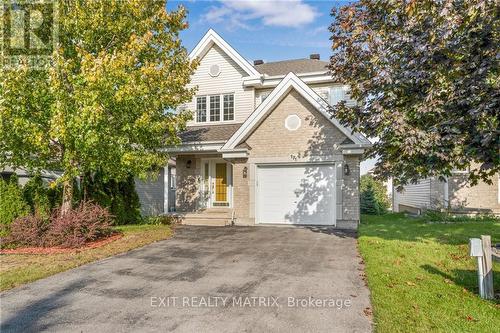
(205, 279)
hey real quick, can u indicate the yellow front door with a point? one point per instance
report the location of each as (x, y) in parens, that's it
(220, 182)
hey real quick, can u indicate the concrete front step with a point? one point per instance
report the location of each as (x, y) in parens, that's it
(207, 222)
(213, 216)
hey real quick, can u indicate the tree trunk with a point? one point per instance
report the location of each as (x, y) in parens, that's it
(67, 198)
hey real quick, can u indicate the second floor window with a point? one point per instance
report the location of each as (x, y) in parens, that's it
(215, 108)
(201, 109)
(228, 107)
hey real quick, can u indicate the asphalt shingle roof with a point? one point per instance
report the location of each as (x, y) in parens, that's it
(296, 66)
(208, 133)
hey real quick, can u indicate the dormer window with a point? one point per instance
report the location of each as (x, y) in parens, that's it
(215, 108)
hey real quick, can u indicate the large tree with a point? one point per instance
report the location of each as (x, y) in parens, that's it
(425, 74)
(104, 103)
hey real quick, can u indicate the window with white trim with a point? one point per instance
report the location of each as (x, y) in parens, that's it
(201, 109)
(229, 107)
(215, 108)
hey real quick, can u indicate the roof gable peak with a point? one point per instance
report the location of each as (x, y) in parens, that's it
(289, 82)
(213, 38)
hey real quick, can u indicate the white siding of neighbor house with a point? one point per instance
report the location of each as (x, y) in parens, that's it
(414, 195)
(329, 91)
(228, 81)
(151, 195)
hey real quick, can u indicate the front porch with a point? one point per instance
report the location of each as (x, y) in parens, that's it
(205, 190)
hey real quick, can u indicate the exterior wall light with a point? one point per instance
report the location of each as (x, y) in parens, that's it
(347, 171)
(188, 164)
(245, 172)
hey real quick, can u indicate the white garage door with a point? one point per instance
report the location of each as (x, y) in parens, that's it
(298, 194)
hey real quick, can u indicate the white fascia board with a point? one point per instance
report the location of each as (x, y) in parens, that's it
(355, 146)
(273, 81)
(234, 154)
(212, 37)
(353, 151)
(291, 81)
(195, 147)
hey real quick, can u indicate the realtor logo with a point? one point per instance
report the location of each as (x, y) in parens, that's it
(29, 30)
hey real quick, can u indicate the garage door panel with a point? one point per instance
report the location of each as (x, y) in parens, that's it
(302, 194)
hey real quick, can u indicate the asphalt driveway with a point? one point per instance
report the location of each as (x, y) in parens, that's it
(205, 279)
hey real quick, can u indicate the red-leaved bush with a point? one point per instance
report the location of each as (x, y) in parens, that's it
(85, 223)
(29, 230)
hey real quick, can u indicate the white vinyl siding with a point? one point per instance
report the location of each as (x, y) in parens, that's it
(261, 95)
(414, 195)
(229, 81)
(332, 93)
(151, 194)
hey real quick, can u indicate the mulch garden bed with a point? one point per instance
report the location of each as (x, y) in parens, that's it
(56, 249)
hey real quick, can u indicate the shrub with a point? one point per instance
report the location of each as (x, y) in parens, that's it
(373, 190)
(36, 195)
(119, 197)
(369, 205)
(161, 220)
(30, 230)
(12, 204)
(85, 223)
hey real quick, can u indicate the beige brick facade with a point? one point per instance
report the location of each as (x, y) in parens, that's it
(316, 140)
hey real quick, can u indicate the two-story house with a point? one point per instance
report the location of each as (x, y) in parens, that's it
(262, 147)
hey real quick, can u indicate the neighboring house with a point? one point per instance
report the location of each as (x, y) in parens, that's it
(454, 194)
(157, 196)
(262, 147)
(24, 175)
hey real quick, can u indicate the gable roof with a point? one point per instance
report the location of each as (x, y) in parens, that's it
(297, 66)
(211, 38)
(289, 82)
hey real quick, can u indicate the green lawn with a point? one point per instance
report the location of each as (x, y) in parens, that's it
(421, 277)
(16, 269)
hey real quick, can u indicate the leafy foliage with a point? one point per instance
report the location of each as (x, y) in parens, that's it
(380, 197)
(120, 197)
(30, 230)
(161, 220)
(36, 195)
(12, 204)
(87, 222)
(426, 78)
(103, 103)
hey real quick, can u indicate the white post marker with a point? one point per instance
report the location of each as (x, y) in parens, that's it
(487, 267)
(476, 250)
